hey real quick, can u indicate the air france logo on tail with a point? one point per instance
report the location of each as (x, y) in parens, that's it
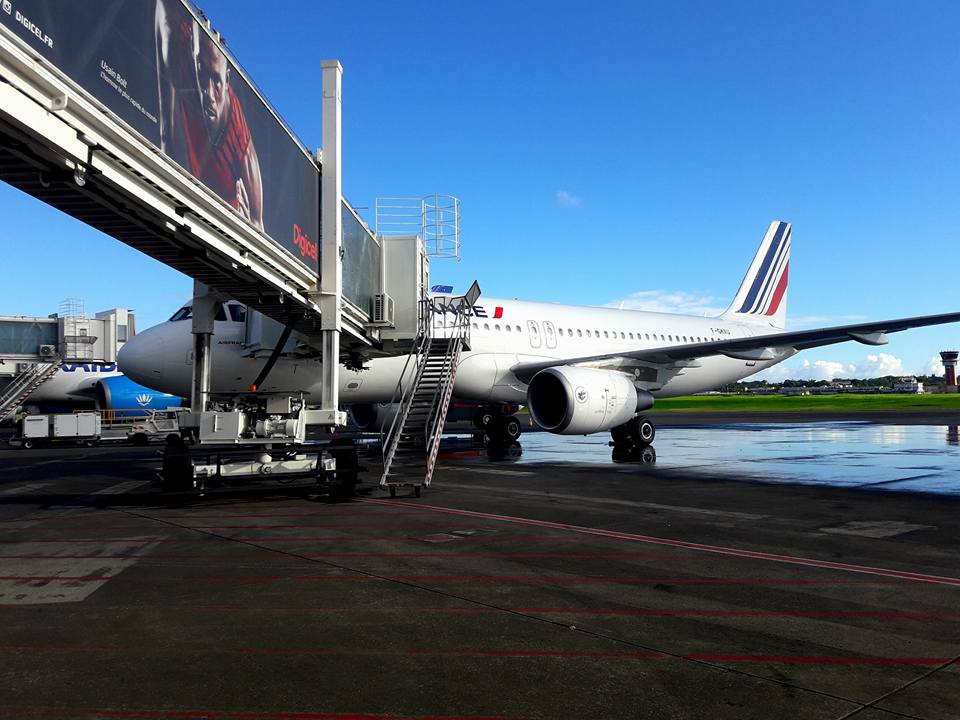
(770, 283)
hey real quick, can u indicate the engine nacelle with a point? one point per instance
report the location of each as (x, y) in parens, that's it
(128, 399)
(579, 401)
(372, 418)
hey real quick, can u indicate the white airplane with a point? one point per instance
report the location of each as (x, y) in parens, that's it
(580, 370)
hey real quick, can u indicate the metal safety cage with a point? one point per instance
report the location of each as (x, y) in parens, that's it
(435, 218)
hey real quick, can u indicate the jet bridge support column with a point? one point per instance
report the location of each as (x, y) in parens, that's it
(331, 261)
(205, 306)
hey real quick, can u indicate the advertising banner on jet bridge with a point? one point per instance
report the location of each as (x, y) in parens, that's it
(162, 73)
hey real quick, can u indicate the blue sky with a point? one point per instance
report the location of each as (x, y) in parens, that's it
(613, 152)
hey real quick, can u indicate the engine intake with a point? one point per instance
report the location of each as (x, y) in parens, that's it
(579, 401)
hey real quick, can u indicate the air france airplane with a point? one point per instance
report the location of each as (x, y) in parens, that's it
(580, 370)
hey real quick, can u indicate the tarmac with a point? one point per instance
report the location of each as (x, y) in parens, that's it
(725, 580)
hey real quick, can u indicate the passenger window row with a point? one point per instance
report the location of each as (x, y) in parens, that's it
(648, 337)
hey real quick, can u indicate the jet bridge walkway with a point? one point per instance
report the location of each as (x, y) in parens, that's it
(63, 146)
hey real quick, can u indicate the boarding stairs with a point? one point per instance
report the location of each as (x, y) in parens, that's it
(25, 383)
(411, 443)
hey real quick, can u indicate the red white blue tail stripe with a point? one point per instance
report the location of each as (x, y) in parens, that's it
(763, 291)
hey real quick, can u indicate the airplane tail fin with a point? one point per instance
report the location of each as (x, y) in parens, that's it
(762, 297)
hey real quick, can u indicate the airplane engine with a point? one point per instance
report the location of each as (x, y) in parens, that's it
(579, 401)
(126, 398)
(372, 417)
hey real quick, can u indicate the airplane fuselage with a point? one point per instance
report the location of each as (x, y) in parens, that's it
(503, 333)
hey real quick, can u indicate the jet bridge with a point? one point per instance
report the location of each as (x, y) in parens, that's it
(32, 349)
(112, 119)
(135, 118)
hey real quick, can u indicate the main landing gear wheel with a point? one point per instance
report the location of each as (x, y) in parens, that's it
(638, 432)
(483, 418)
(505, 429)
(644, 432)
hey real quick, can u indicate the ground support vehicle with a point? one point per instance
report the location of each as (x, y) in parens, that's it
(80, 428)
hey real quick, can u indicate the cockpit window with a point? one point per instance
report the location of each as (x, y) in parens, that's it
(238, 313)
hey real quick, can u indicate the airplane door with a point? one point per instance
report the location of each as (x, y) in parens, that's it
(533, 330)
(549, 334)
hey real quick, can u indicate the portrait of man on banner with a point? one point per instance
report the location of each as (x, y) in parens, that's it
(202, 122)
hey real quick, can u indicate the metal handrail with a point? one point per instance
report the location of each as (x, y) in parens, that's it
(456, 329)
(388, 447)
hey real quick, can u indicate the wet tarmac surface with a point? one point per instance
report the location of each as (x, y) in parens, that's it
(849, 454)
(549, 587)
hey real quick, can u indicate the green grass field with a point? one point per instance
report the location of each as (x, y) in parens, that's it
(809, 403)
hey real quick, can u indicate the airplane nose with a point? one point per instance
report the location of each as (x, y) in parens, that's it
(141, 358)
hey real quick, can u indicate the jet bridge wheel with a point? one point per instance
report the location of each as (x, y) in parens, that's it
(347, 475)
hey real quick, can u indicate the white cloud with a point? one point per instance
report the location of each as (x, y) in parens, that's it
(879, 365)
(568, 200)
(934, 366)
(869, 367)
(677, 301)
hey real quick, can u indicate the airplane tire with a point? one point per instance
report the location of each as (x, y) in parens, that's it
(416, 490)
(511, 429)
(393, 491)
(27, 444)
(483, 418)
(642, 432)
(620, 434)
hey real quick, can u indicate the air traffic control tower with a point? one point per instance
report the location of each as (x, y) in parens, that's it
(949, 359)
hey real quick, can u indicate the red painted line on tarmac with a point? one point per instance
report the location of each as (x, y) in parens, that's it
(508, 653)
(266, 556)
(541, 580)
(817, 659)
(716, 549)
(271, 715)
(810, 614)
(628, 612)
(553, 539)
(481, 652)
(391, 538)
(102, 540)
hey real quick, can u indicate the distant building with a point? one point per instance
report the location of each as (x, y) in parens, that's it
(908, 385)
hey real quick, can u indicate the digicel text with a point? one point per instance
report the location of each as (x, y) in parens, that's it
(300, 239)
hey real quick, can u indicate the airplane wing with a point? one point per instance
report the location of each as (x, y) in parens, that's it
(774, 346)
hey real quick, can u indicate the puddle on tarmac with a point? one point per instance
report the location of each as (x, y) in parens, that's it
(912, 458)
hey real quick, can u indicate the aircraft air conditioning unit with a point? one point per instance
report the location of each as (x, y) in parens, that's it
(48, 351)
(383, 311)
